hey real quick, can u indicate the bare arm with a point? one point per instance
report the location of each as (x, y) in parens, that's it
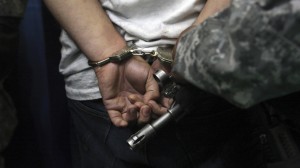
(91, 29)
(88, 25)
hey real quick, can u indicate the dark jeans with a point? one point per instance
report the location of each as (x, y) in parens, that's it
(98, 143)
(217, 136)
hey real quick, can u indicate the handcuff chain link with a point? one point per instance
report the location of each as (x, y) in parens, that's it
(139, 52)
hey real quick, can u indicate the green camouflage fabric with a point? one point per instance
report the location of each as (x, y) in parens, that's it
(8, 120)
(14, 8)
(248, 53)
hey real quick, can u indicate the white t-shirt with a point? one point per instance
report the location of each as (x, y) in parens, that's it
(146, 23)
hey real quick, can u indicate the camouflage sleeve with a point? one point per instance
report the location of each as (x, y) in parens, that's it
(12, 8)
(246, 54)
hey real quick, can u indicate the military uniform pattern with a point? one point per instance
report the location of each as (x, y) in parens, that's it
(8, 120)
(13, 8)
(248, 53)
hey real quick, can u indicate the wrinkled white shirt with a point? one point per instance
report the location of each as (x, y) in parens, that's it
(146, 23)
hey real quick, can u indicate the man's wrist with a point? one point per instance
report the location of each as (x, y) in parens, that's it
(105, 47)
(117, 57)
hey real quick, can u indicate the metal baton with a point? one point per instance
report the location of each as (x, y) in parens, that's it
(150, 130)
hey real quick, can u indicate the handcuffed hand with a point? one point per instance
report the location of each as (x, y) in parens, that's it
(126, 89)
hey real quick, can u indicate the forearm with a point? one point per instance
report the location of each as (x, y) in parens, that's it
(211, 7)
(88, 25)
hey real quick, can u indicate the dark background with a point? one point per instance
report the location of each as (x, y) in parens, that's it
(41, 139)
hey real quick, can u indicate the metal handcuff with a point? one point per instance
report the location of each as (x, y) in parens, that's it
(163, 54)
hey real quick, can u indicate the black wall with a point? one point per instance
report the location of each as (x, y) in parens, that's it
(41, 139)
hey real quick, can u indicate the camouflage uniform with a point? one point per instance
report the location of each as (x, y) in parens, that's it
(248, 53)
(11, 12)
(12, 8)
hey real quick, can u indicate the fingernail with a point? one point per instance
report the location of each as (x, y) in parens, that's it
(146, 112)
